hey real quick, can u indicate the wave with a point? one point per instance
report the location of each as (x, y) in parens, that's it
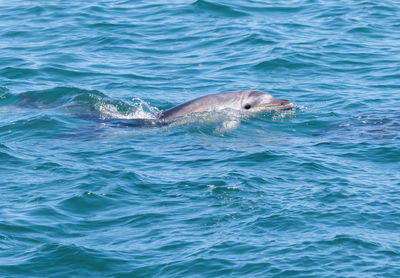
(81, 102)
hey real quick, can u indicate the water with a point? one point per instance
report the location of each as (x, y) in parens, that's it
(90, 189)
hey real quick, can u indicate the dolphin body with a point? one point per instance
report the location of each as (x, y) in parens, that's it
(248, 101)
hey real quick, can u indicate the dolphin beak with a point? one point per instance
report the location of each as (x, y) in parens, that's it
(283, 104)
(286, 103)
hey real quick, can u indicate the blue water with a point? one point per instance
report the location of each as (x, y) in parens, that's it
(88, 190)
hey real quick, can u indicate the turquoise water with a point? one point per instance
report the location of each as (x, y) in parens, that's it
(88, 190)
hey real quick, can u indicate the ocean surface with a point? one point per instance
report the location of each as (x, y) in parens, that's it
(87, 189)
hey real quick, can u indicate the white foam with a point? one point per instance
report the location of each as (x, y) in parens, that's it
(137, 109)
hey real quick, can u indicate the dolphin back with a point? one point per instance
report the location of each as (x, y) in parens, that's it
(204, 103)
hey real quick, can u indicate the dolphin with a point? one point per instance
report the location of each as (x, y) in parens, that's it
(248, 101)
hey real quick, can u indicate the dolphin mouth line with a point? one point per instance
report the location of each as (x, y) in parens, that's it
(287, 106)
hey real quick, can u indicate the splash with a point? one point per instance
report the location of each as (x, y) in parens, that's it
(134, 109)
(214, 122)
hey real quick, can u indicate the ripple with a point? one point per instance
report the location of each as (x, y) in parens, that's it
(218, 9)
(84, 204)
(15, 73)
(277, 63)
(68, 260)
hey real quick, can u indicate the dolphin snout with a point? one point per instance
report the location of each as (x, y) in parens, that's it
(283, 102)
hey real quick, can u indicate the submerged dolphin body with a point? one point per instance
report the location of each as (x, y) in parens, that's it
(244, 101)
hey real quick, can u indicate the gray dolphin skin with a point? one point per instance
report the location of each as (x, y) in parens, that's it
(248, 101)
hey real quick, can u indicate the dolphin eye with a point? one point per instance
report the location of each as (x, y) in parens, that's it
(247, 106)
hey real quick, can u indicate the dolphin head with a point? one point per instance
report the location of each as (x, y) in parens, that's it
(256, 101)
